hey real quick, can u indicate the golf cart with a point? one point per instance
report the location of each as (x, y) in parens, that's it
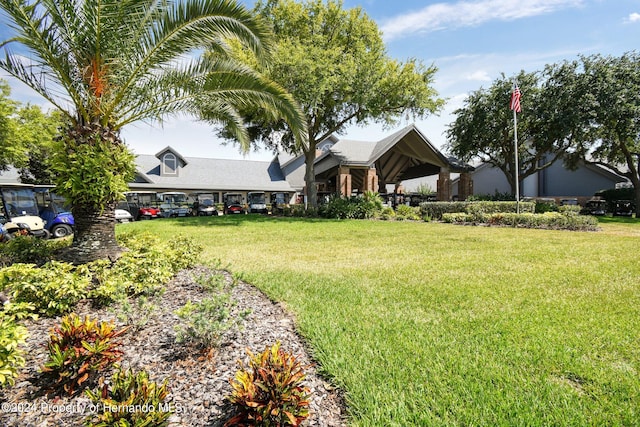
(597, 207)
(19, 214)
(257, 202)
(53, 210)
(233, 204)
(204, 204)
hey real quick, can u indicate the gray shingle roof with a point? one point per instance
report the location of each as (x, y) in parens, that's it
(214, 174)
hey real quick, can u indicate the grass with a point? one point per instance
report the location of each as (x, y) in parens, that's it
(435, 324)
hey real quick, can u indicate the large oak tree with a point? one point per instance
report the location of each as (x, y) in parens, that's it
(334, 62)
(484, 127)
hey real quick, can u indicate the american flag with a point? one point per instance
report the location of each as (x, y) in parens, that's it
(515, 99)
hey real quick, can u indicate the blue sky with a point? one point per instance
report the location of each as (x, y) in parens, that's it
(471, 42)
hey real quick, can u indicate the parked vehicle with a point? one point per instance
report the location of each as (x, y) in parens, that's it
(131, 207)
(279, 201)
(171, 210)
(20, 211)
(123, 215)
(204, 204)
(597, 207)
(147, 202)
(55, 212)
(233, 204)
(569, 202)
(623, 208)
(174, 203)
(257, 202)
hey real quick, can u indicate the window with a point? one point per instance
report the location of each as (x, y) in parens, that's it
(325, 147)
(169, 164)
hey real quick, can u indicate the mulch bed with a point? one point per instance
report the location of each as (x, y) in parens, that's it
(198, 382)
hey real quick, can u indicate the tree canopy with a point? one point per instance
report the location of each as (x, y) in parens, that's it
(585, 110)
(10, 147)
(484, 126)
(608, 100)
(334, 62)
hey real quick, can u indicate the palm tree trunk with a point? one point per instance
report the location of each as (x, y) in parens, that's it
(94, 237)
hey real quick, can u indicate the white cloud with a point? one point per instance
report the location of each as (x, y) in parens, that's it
(633, 17)
(480, 75)
(469, 13)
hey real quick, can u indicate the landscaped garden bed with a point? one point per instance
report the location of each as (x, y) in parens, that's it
(165, 345)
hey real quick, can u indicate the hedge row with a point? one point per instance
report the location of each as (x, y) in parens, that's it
(548, 220)
(436, 210)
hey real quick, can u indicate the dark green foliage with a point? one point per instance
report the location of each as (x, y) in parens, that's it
(79, 350)
(369, 205)
(495, 197)
(269, 391)
(613, 194)
(543, 206)
(130, 400)
(29, 250)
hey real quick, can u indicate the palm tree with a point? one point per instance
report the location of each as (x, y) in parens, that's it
(107, 63)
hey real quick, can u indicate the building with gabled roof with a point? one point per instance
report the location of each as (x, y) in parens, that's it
(342, 166)
(347, 166)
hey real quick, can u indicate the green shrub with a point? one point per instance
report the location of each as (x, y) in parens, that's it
(29, 250)
(52, 289)
(407, 212)
(12, 335)
(79, 350)
(269, 391)
(495, 197)
(543, 206)
(569, 209)
(127, 391)
(143, 270)
(338, 207)
(459, 218)
(366, 206)
(212, 282)
(387, 213)
(435, 210)
(550, 220)
(206, 321)
(483, 208)
(136, 311)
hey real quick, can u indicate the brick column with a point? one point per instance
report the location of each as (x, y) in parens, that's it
(370, 180)
(465, 186)
(344, 181)
(444, 185)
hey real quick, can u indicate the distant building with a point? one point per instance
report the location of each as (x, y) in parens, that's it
(555, 181)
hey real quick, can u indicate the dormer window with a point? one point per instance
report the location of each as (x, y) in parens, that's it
(169, 164)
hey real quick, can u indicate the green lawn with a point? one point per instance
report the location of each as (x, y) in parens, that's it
(435, 324)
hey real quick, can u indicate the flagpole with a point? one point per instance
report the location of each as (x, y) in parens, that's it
(515, 107)
(515, 149)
